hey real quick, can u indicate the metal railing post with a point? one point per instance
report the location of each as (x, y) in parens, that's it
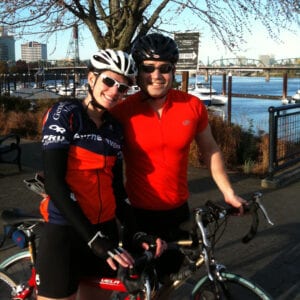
(272, 139)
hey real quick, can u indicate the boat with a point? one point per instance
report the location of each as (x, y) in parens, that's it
(69, 90)
(81, 91)
(218, 99)
(292, 100)
(296, 96)
(285, 101)
(202, 91)
(65, 91)
(288, 101)
(207, 93)
(51, 88)
(133, 89)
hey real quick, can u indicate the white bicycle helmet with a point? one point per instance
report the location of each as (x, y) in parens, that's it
(114, 60)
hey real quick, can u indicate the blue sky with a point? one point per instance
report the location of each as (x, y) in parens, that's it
(257, 44)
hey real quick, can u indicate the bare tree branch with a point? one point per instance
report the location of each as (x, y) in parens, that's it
(116, 23)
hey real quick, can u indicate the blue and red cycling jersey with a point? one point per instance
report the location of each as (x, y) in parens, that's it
(92, 155)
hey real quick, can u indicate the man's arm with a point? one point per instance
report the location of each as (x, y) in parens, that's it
(213, 159)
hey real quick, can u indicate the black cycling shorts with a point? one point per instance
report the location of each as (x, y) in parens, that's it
(63, 258)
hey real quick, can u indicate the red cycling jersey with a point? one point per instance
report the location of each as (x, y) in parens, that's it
(156, 149)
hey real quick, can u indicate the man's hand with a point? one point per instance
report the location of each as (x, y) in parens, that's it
(237, 202)
(148, 242)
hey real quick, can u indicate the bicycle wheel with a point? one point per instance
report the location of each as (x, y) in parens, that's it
(230, 287)
(18, 268)
(7, 286)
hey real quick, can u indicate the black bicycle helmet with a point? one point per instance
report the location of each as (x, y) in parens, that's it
(155, 46)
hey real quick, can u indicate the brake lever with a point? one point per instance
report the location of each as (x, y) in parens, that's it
(256, 198)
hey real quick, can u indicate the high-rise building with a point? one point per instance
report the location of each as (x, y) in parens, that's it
(7, 45)
(266, 59)
(33, 51)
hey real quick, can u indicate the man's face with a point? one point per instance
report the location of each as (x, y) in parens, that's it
(156, 77)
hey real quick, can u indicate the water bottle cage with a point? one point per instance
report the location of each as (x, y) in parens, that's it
(16, 235)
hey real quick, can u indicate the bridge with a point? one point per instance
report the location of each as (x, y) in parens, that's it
(58, 69)
(218, 63)
(238, 65)
(250, 62)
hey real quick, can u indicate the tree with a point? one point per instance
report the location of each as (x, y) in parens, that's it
(19, 67)
(116, 23)
(3, 67)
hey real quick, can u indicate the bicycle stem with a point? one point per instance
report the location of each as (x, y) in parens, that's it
(206, 243)
(202, 228)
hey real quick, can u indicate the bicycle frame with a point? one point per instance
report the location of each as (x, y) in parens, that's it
(26, 289)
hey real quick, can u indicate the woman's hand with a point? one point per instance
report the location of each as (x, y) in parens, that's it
(121, 256)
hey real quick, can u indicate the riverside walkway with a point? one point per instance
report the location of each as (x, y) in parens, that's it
(272, 259)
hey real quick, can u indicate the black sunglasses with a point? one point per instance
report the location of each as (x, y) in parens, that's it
(110, 82)
(163, 69)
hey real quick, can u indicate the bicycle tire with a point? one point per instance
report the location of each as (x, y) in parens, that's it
(18, 268)
(230, 287)
(7, 286)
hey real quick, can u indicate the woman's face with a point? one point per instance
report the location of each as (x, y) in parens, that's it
(108, 87)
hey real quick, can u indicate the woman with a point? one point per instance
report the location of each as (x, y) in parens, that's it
(83, 178)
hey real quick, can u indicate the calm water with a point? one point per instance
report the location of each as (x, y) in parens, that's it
(247, 111)
(250, 111)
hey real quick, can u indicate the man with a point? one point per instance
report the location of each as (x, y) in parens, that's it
(159, 125)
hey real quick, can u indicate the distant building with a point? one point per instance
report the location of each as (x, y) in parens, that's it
(267, 59)
(33, 51)
(242, 61)
(7, 45)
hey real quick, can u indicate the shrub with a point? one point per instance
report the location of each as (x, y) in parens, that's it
(26, 124)
(241, 150)
(18, 117)
(17, 104)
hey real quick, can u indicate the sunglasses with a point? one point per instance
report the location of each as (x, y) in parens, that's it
(163, 69)
(110, 82)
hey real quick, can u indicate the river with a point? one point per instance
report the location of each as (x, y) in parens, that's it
(251, 111)
(248, 111)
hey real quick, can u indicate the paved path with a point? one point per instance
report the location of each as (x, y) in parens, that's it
(272, 259)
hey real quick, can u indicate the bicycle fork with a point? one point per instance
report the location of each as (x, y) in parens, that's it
(26, 289)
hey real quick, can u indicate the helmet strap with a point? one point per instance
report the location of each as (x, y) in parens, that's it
(93, 100)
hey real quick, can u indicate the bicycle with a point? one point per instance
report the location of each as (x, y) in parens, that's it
(218, 283)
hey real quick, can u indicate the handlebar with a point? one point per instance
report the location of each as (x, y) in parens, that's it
(212, 212)
(197, 250)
